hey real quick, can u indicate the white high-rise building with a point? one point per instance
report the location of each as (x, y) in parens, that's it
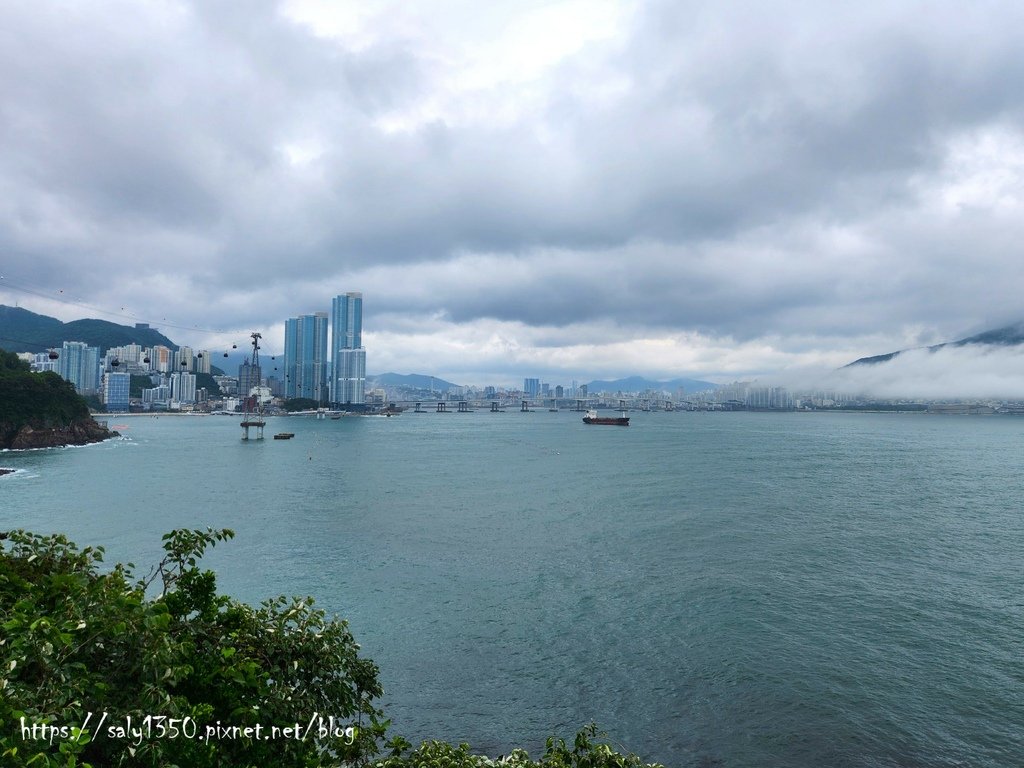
(129, 353)
(160, 394)
(161, 359)
(184, 359)
(203, 361)
(183, 387)
(350, 378)
(41, 362)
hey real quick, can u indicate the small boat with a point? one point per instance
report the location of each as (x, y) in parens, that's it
(284, 435)
(593, 418)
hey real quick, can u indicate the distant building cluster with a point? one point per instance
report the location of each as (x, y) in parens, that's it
(108, 375)
(324, 361)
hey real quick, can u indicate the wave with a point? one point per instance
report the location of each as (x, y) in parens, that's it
(15, 473)
(116, 439)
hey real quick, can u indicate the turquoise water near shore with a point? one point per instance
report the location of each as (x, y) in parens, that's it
(713, 589)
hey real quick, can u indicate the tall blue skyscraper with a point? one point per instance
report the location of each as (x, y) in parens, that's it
(347, 321)
(292, 342)
(348, 358)
(305, 356)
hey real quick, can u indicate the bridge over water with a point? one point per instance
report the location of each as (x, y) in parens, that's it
(468, 405)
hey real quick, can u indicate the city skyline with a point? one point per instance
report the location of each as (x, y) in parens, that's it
(551, 189)
(992, 371)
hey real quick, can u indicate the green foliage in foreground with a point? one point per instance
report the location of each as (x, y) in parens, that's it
(78, 640)
(589, 750)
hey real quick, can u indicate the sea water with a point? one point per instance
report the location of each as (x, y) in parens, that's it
(712, 589)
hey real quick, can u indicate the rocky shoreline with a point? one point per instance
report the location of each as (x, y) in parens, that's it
(37, 436)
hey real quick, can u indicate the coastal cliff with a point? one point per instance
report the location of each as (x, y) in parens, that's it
(41, 410)
(41, 436)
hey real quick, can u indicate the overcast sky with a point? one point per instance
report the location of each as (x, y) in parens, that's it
(568, 190)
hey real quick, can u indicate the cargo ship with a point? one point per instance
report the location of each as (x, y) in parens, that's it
(593, 418)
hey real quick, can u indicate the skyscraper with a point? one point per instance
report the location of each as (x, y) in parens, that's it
(348, 358)
(162, 359)
(350, 377)
(305, 356)
(204, 361)
(249, 376)
(183, 387)
(184, 359)
(42, 362)
(292, 333)
(80, 364)
(116, 389)
(347, 321)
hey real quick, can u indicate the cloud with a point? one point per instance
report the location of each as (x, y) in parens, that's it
(814, 180)
(949, 373)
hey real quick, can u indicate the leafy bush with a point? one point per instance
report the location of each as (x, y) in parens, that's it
(78, 641)
(589, 750)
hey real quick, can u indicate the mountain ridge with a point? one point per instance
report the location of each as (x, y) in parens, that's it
(22, 330)
(1007, 336)
(641, 384)
(411, 380)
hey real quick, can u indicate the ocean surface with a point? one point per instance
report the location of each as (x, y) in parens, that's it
(712, 589)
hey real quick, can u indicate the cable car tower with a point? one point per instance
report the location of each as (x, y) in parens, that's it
(253, 410)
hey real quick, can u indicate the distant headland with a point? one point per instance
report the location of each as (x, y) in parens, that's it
(42, 410)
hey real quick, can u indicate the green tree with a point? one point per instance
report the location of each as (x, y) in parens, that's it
(79, 640)
(138, 383)
(300, 404)
(41, 399)
(590, 749)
